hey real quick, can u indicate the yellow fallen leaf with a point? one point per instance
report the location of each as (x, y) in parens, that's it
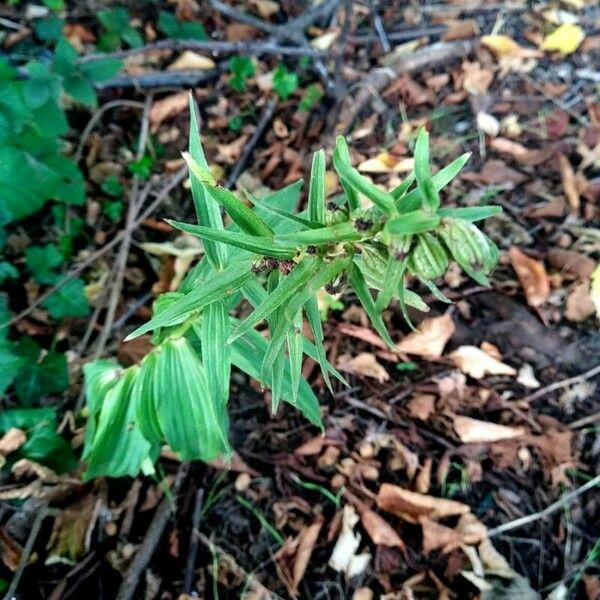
(473, 431)
(430, 339)
(595, 290)
(564, 39)
(386, 163)
(191, 60)
(501, 45)
(475, 362)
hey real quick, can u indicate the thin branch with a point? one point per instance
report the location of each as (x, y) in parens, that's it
(151, 539)
(193, 547)
(132, 212)
(561, 503)
(156, 79)
(265, 119)
(216, 47)
(98, 114)
(559, 385)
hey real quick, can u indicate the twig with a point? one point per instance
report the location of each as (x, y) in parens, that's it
(132, 212)
(398, 36)
(172, 183)
(216, 47)
(279, 32)
(131, 309)
(155, 79)
(151, 539)
(238, 569)
(193, 547)
(264, 120)
(583, 422)
(558, 505)
(558, 385)
(379, 29)
(26, 554)
(85, 134)
(433, 55)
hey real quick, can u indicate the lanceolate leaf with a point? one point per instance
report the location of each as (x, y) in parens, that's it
(295, 346)
(470, 213)
(394, 273)
(276, 374)
(417, 221)
(342, 232)
(118, 447)
(412, 200)
(246, 219)
(215, 288)
(292, 217)
(352, 178)
(314, 320)
(193, 421)
(214, 331)
(359, 285)
(341, 158)
(299, 276)
(316, 192)
(425, 184)
(143, 396)
(259, 245)
(398, 192)
(247, 353)
(207, 210)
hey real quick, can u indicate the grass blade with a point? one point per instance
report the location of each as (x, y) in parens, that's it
(221, 284)
(259, 245)
(341, 156)
(470, 213)
(429, 194)
(316, 192)
(214, 331)
(286, 289)
(342, 232)
(410, 223)
(207, 210)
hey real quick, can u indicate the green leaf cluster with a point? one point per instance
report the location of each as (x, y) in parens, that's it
(278, 261)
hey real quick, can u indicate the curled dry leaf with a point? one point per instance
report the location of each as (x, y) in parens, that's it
(532, 275)
(469, 530)
(572, 262)
(475, 362)
(420, 406)
(473, 431)
(496, 172)
(344, 558)
(430, 339)
(412, 505)
(192, 60)
(307, 539)
(579, 305)
(521, 154)
(12, 440)
(569, 183)
(167, 108)
(365, 365)
(379, 530)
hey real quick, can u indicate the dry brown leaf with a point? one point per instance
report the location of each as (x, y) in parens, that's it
(475, 362)
(476, 79)
(326, 40)
(423, 480)
(458, 30)
(436, 536)
(473, 431)
(192, 60)
(572, 262)
(412, 505)
(306, 545)
(504, 46)
(532, 275)
(12, 440)
(364, 365)
(430, 339)
(379, 530)
(420, 406)
(385, 162)
(167, 108)
(68, 539)
(10, 550)
(229, 153)
(496, 172)
(579, 305)
(25, 467)
(521, 154)
(493, 562)
(265, 8)
(569, 184)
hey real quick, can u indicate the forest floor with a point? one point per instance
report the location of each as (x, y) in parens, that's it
(463, 464)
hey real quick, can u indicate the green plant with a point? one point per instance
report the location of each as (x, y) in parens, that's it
(241, 68)
(277, 261)
(285, 82)
(182, 30)
(117, 29)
